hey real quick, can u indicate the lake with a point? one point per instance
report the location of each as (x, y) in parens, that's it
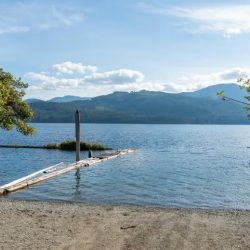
(205, 166)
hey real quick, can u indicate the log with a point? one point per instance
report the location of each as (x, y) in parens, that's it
(4, 188)
(21, 146)
(57, 170)
(45, 170)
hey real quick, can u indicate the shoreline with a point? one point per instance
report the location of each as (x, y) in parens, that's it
(129, 205)
(66, 225)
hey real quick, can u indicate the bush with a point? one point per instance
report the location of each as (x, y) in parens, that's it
(71, 145)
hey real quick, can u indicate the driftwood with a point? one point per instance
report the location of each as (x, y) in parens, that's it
(56, 170)
(45, 170)
(21, 146)
(66, 145)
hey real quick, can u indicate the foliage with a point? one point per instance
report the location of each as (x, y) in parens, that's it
(220, 93)
(245, 83)
(143, 107)
(13, 110)
(71, 145)
(51, 146)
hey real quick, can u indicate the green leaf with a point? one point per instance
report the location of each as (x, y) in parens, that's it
(220, 93)
(13, 110)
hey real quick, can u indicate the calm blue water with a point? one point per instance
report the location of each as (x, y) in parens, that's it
(173, 166)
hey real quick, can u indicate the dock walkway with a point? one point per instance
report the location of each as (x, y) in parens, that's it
(58, 169)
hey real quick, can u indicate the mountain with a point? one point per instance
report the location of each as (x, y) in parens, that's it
(68, 98)
(232, 90)
(31, 100)
(199, 107)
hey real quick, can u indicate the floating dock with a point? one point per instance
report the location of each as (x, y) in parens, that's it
(56, 170)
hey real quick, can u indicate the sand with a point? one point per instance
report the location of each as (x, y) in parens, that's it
(54, 225)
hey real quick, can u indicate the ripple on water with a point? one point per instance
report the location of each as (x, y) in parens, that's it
(173, 166)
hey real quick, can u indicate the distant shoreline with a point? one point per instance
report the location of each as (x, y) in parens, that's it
(150, 107)
(60, 225)
(103, 123)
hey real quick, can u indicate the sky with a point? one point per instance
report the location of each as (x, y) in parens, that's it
(95, 47)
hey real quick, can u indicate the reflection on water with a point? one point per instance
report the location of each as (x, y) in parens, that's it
(173, 165)
(78, 178)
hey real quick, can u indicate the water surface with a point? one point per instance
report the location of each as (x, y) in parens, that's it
(173, 166)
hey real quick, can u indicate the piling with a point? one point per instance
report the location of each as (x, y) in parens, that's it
(77, 127)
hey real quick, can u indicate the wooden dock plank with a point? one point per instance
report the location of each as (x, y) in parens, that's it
(53, 171)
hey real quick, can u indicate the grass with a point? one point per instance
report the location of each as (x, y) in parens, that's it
(71, 145)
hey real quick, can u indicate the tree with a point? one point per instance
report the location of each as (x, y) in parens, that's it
(245, 83)
(13, 110)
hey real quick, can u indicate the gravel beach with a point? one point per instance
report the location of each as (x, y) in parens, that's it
(55, 225)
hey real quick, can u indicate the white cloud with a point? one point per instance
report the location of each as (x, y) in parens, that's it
(228, 20)
(198, 81)
(14, 29)
(70, 68)
(48, 82)
(150, 86)
(19, 17)
(116, 77)
(126, 80)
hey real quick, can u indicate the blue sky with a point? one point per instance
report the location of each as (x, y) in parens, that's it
(90, 48)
